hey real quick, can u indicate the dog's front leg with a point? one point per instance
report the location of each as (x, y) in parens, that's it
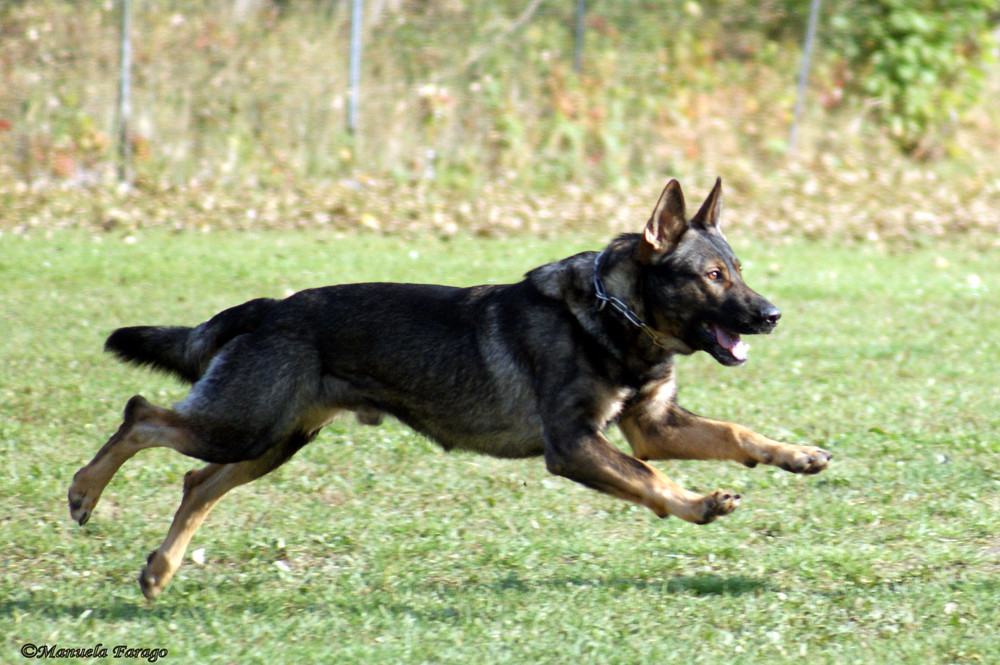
(591, 460)
(679, 434)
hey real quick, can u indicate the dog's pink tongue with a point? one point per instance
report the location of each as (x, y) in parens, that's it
(732, 343)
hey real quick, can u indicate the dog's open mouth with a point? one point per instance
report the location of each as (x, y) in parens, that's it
(726, 345)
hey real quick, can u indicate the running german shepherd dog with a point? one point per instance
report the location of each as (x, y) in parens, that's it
(537, 368)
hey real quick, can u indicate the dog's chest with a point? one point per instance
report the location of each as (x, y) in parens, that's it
(609, 404)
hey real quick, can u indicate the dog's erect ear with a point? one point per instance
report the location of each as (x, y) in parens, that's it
(668, 223)
(708, 216)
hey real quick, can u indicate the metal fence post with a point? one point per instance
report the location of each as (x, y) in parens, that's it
(124, 96)
(355, 67)
(803, 73)
(581, 10)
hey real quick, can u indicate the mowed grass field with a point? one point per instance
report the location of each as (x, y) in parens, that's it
(374, 546)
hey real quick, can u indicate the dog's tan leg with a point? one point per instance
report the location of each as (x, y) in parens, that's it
(597, 464)
(202, 490)
(143, 426)
(686, 436)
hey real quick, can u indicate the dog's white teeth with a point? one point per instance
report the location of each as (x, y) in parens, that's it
(741, 350)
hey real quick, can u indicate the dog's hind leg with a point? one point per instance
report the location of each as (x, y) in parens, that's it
(202, 490)
(144, 426)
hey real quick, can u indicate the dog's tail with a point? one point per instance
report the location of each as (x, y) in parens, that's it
(183, 351)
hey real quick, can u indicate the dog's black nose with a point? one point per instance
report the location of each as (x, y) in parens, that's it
(771, 314)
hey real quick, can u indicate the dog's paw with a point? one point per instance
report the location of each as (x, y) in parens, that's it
(797, 459)
(154, 576)
(82, 499)
(717, 504)
(804, 459)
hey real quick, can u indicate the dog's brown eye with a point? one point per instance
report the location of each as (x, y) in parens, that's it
(714, 275)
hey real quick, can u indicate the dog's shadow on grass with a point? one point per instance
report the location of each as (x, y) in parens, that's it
(703, 584)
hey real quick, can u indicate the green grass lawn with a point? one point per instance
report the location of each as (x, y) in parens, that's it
(373, 546)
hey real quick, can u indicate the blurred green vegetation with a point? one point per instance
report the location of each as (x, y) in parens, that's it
(919, 61)
(472, 116)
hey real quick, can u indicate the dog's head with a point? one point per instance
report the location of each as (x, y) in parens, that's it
(692, 286)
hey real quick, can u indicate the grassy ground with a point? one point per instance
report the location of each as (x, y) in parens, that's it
(374, 546)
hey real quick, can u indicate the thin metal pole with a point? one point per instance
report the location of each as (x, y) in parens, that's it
(581, 10)
(355, 67)
(793, 137)
(124, 96)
